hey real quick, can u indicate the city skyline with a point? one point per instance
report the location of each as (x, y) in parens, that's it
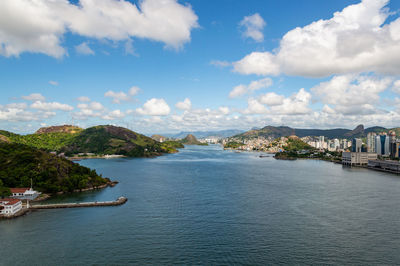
(195, 65)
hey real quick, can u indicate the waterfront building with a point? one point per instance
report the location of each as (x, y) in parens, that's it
(24, 193)
(357, 158)
(371, 136)
(356, 145)
(10, 207)
(382, 145)
(386, 165)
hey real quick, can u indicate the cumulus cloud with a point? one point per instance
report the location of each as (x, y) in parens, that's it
(116, 114)
(356, 39)
(17, 113)
(54, 83)
(271, 99)
(39, 26)
(352, 94)
(252, 27)
(255, 107)
(84, 49)
(154, 107)
(298, 103)
(254, 85)
(118, 97)
(34, 97)
(185, 105)
(96, 106)
(51, 106)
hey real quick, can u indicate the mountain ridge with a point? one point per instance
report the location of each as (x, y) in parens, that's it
(340, 133)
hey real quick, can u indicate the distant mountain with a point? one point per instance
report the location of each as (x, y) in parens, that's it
(99, 140)
(191, 140)
(341, 133)
(205, 134)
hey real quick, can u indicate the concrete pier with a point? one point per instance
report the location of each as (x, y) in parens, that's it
(119, 201)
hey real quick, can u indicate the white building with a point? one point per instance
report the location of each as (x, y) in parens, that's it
(357, 158)
(24, 193)
(10, 207)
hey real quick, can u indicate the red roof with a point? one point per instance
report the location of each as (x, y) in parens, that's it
(9, 201)
(19, 190)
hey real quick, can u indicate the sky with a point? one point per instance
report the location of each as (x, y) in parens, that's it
(165, 66)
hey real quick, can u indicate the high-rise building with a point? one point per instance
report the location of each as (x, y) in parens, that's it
(371, 136)
(356, 145)
(382, 145)
(394, 145)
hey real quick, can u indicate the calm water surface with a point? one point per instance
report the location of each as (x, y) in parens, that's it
(209, 206)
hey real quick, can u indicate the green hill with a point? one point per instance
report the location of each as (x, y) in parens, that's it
(191, 140)
(50, 173)
(99, 140)
(114, 140)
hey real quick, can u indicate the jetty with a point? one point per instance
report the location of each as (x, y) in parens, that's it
(119, 201)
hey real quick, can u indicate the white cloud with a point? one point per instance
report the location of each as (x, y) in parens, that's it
(259, 63)
(255, 107)
(95, 106)
(396, 86)
(39, 26)
(353, 40)
(34, 97)
(134, 90)
(219, 63)
(117, 97)
(17, 113)
(50, 106)
(352, 94)
(185, 105)
(83, 99)
(254, 85)
(116, 114)
(17, 105)
(54, 83)
(84, 49)
(121, 96)
(224, 110)
(253, 26)
(154, 106)
(271, 99)
(129, 49)
(296, 104)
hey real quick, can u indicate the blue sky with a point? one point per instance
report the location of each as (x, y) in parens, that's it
(199, 65)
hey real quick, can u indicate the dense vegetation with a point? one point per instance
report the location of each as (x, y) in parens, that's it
(233, 145)
(50, 173)
(99, 140)
(295, 148)
(4, 191)
(116, 140)
(296, 144)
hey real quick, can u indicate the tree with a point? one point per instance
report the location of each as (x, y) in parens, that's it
(4, 191)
